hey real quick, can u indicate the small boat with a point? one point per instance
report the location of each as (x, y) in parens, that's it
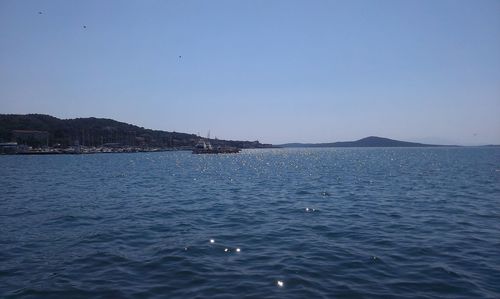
(204, 147)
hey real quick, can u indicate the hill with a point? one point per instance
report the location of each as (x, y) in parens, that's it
(40, 129)
(371, 141)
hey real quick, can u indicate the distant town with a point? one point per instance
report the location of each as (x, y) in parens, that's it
(39, 134)
(44, 134)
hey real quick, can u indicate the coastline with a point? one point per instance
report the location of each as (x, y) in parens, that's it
(90, 150)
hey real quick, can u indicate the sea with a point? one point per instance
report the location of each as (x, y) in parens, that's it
(264, 223)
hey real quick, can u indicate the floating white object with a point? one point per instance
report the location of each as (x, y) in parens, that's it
(280, 283)
(238, 250)
(212, 241)
(226, 250)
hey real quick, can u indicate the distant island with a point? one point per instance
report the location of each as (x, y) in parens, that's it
(39, 133)
(372, 141)
(45, 134)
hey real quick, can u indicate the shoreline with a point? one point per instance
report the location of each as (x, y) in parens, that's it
(87, 151)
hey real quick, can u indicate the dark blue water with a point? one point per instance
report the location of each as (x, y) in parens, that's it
(326, 223)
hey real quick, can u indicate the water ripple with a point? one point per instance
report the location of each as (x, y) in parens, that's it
(315, 223)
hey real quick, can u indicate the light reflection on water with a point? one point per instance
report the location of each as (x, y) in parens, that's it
(349, 223)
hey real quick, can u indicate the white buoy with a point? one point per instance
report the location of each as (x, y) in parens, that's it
(238, 250)
(212, 241)
(280, 283)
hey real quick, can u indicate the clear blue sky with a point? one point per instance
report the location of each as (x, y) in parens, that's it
(276, 71)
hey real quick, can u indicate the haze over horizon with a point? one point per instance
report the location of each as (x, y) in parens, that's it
(274, 71)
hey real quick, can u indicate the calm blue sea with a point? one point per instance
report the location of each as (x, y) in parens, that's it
(308, 223)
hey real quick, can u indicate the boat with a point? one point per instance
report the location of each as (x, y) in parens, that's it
(204, 147)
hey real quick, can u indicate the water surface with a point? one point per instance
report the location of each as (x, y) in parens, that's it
(325, 223)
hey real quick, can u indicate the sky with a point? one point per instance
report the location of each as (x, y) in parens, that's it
(268, 70)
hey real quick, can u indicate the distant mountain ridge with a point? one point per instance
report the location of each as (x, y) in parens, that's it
(97, 131)
(371, 141)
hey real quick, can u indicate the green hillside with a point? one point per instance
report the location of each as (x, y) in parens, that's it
(98, 131)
